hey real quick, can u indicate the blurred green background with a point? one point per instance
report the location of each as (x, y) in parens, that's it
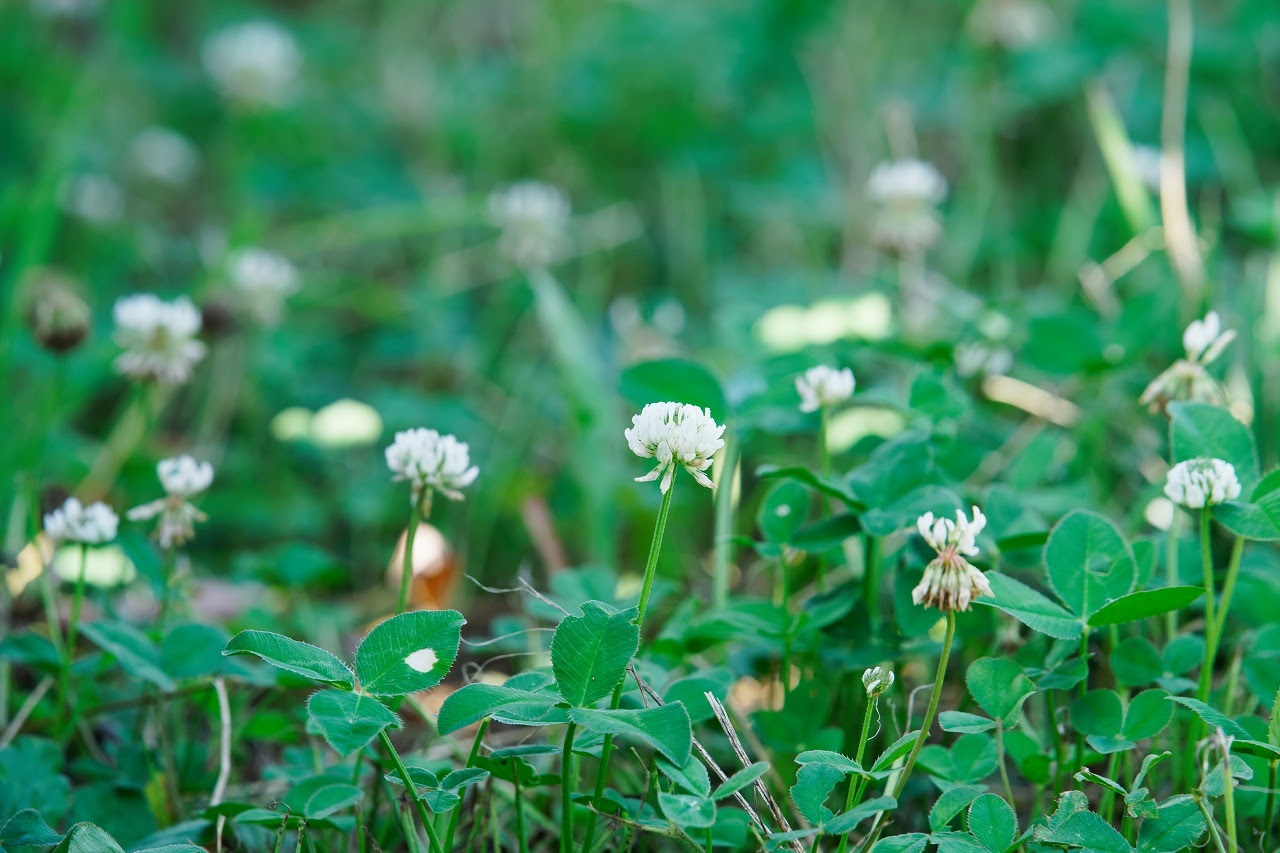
(716, 157)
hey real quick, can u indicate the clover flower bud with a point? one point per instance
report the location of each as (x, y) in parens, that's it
(1202, 482)
(877, 680)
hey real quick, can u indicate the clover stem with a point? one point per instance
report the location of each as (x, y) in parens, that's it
(1229, 586)
(471, 760)
(1229, 799)
(1268, 813)
(933, 706)
(166, 592)
(1210, 610)
(421, 508)
(855, 787)
(521, 842)
(566, 790)
(1171, 576)
(1004, 771)
(413, 791)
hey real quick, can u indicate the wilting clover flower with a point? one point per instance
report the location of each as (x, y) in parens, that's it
(88, 525)
(822, 387)
(1202, 482)
(431, 462)
(255, 63)
(907, 194)
(534, 218)
(182, 478)
(677, 435)
(158, 337)
(950, 581)
(1187, 379)
(877, 680)
(57, 314)
(262, 280)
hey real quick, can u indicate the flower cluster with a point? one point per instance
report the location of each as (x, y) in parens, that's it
(182, 478)
(262, 280)
(88, 525)
(1202, 482)
(950, 581)
(907, 194)
(822, 387)
(1187, 379)
(431, 462)
(677, 435)
(534, 218)
(158, 338)
(877, 680)
(255, 63)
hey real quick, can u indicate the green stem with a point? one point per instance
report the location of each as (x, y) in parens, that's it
(1107, 806)
(1004, 771)
(708, 846)
(1213, 825)
(166, 592)
(851, 797)
(1084, 689)
(423, 814)
(1229, 800)
(1211, 634)
(522, 843)
(724, 507)
(871, 583)
(77, 601)
(1171, 576)
(567, 784)
(471, 760)
(1229, 586)
(1268, 813)
(933, 706)
(824, 452)
(650, 570)
(421, 508)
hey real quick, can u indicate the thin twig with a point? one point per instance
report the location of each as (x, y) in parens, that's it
(722, 715)
(25, 711)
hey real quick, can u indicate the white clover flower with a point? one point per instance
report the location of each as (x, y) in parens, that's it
(677, 435)
(93, 198)
(263, 280)
(158, 337)
(182, 478)
(1197, 483)
(950, 581)
(164, 156)
(1187, 378)
(88, 525)
(1011, 24)
(877, 680)
(823, 387)
(431, 462)
(534, 218)
(907, 193)
(255, 63)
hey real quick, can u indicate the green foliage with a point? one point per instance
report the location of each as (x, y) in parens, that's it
(292, 656)
(409, 652)
(590, 653)
(348, 721)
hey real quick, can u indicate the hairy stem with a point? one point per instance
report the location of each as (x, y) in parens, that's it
(567, 784)
(423, 814)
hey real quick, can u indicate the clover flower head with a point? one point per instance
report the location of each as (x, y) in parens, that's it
(820, 387)
(1198, 483)
(182, 478)
(950, 581)
(1187, 378)
(1204, 340)
(164, 156)
(534, 218)
(89, 525)
(263, 280)
(158, 338)
(255, 63)
(877, 680)
(677, 435)
(431, 462)
(907, 194)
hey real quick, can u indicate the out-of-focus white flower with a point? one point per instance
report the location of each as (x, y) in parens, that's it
(95, 198)
(182, 478)
(1011, 24)
(534, 218)
(1197, 483)
(877, 680)
(907, 194)
(262, 280)
(158, 338)
(676, 435)
(823, 387)
(431, 462)
(88, 525)
(974, 358)
(346, 423)
(950, 581)
(1187, 378)
(255, 63)
(66, 8)
(164, 156)
(105, 567)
